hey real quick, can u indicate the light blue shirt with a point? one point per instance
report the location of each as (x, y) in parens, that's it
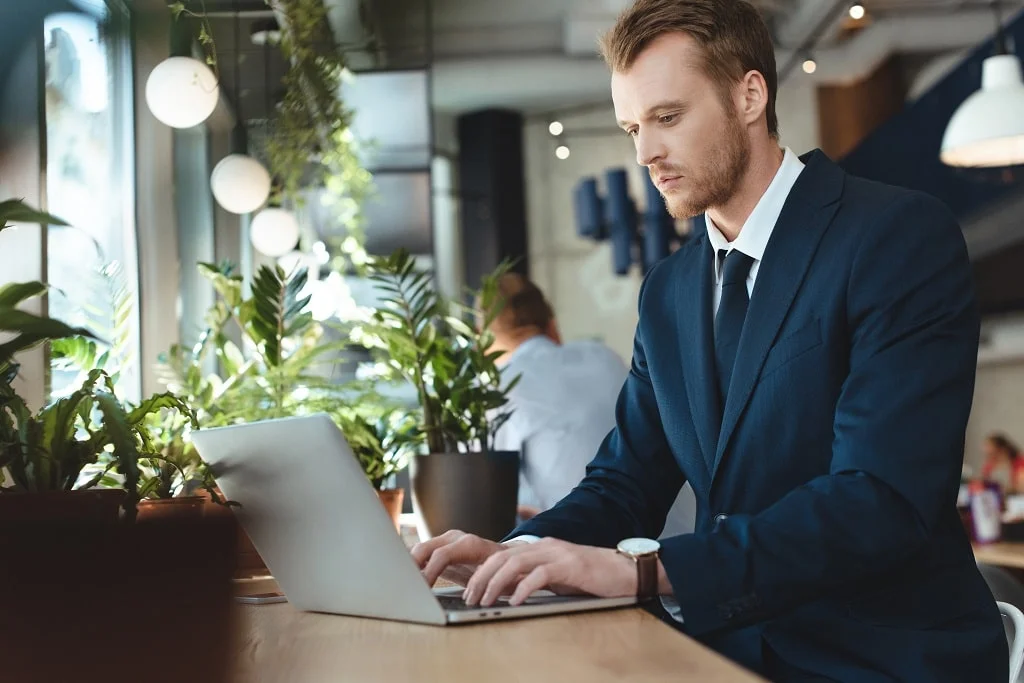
(562, 409)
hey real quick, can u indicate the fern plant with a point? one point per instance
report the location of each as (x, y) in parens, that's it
(48, 451)
(109, 312)
(432, 343)
(280, 368)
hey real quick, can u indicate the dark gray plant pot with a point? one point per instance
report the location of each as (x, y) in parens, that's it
(472, 492)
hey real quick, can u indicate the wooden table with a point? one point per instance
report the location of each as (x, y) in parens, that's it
(279, 644)
(1001, 554)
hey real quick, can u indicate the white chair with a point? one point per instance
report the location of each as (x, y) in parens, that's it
(1017, 642)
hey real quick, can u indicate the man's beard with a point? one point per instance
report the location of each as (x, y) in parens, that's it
(718, 178)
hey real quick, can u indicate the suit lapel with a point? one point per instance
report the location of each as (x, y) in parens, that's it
(807, 213)
(695, 330)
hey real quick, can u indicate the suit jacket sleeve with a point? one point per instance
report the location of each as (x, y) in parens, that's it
(898, 438)
(633, 480)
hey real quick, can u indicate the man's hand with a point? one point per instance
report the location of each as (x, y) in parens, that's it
(453, 555)
(562, 567)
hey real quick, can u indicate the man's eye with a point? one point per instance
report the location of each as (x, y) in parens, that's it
(667, 118)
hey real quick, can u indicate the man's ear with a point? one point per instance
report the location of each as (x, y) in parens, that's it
(753, 97)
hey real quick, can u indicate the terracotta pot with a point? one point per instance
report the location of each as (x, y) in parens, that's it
(249, 562)
(392, 500)
(91, 505)
(171, 508)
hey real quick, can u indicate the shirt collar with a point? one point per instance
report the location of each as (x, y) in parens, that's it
(756, 231)
(524, 348)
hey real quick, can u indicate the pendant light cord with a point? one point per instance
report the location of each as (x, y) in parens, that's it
(1000, 39)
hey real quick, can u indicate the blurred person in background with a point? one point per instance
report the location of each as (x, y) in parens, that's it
(563, 406)
(1003, 463)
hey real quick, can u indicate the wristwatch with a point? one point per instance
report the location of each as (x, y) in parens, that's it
(643, 552)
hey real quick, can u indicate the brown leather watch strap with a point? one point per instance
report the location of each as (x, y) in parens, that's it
(647, 576)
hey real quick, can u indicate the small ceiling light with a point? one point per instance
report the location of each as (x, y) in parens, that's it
(562, 152)
(265, 32)
(810, 66)
(556, 128)
(857, 11)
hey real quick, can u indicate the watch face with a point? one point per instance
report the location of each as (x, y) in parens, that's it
(639, 546)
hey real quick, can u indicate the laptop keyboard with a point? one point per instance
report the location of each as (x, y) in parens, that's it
(455, 603)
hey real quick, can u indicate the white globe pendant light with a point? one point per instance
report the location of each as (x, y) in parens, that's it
(182, 92)
(987, 130)
(274, 231)
(240, 184)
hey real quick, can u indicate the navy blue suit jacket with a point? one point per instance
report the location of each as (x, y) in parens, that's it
(827, 543)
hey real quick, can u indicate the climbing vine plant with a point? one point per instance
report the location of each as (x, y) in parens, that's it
(309, 141)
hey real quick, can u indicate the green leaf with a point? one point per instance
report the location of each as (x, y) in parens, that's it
(154, 404)
(17, 211)
(31, 329)
(16, 292)
(119, 432)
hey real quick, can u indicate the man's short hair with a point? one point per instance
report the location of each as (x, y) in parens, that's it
(522, 305)
(732, 36)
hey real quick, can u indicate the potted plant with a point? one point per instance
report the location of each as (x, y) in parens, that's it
(281, 365)
(458, 479)
(39, 454)
(169, 469)
(379, 446)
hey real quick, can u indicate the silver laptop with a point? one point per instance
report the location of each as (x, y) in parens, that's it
(319, 527)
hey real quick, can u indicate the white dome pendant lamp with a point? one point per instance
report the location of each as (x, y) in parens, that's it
(181, 91)
(987, 130)
(274, 231)
(240, 183)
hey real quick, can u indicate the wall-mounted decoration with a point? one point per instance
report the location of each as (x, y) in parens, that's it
(640, 237)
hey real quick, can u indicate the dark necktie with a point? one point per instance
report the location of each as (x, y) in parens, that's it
(732, 310)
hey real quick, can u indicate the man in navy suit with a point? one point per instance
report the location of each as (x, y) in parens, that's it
(806, 362)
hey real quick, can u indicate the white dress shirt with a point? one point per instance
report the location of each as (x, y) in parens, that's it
(757, 229)
(752, 241)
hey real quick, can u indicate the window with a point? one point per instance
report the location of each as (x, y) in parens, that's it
(92, 265)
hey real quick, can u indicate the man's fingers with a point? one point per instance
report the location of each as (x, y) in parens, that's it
(421, 552)
(465, 550)
(439, 560)
(482, 576)
(539, 578)
(507, 575)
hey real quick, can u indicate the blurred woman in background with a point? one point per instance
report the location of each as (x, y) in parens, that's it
(1003, 463)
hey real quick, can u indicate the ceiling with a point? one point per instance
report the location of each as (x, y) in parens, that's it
(538, 55)
(541, 55)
